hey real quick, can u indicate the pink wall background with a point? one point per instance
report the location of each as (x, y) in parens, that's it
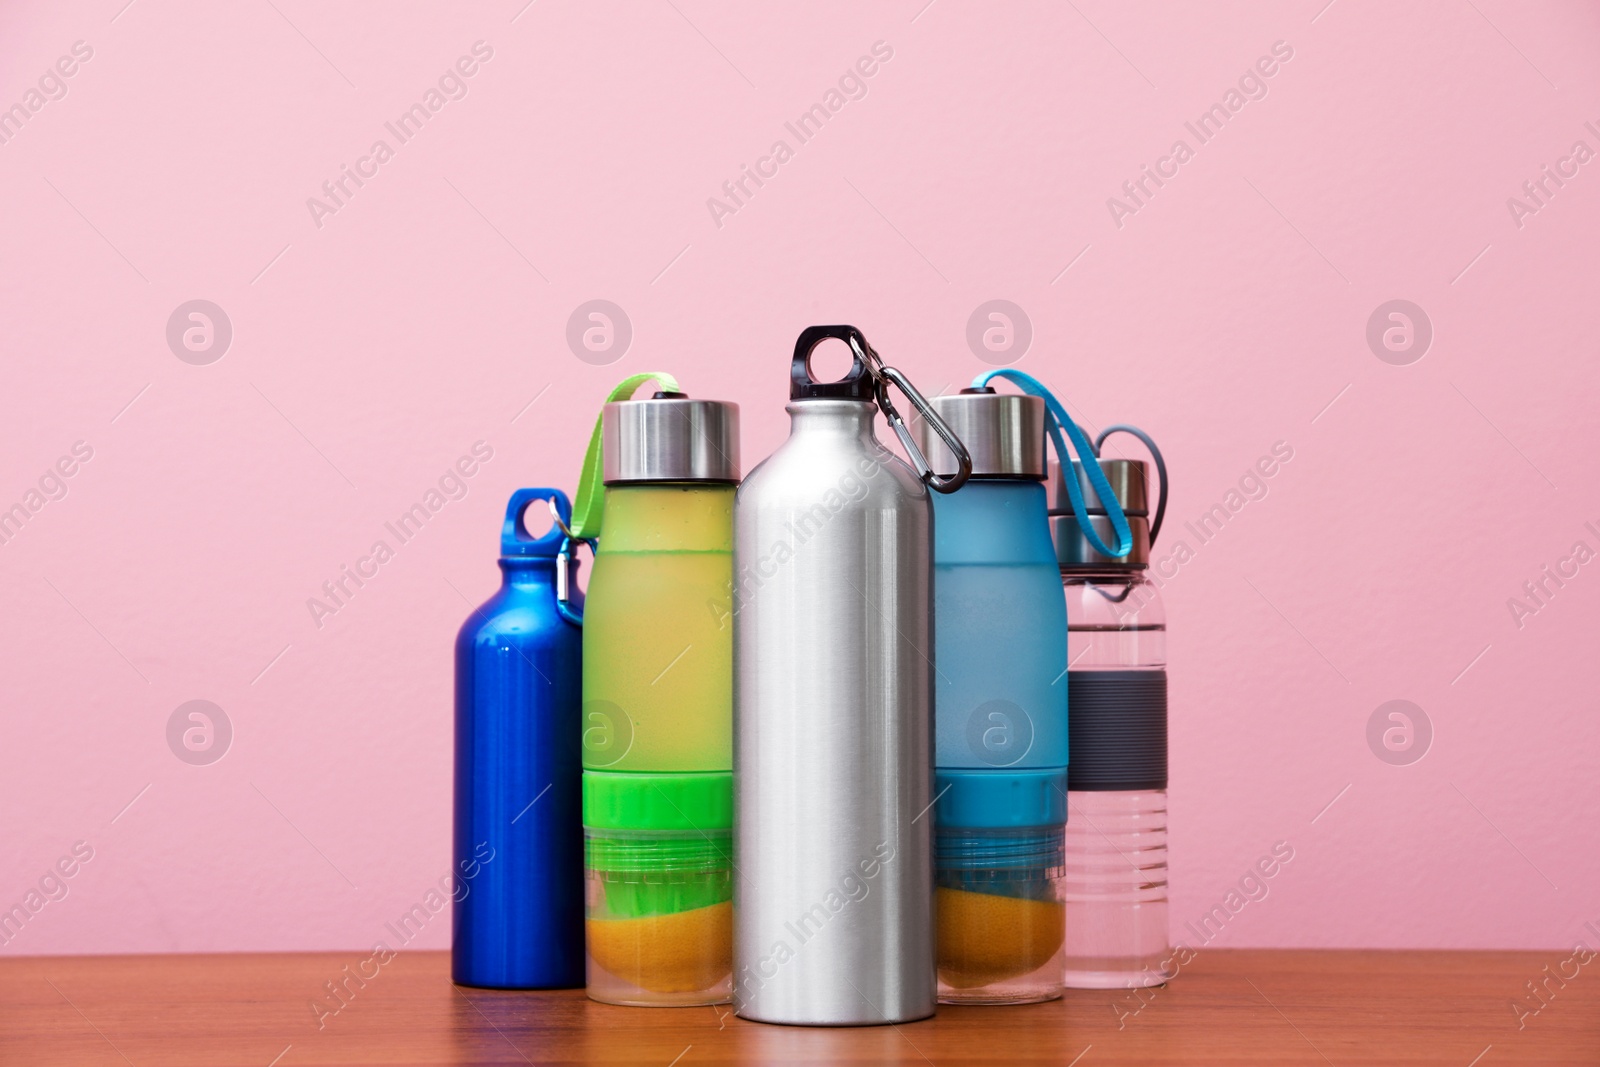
(1228, 313)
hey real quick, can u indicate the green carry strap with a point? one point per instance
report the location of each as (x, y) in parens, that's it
(589, 509)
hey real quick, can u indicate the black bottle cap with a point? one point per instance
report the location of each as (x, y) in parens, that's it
(858, 384)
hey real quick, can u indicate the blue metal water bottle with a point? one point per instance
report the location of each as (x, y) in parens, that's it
(518, 874)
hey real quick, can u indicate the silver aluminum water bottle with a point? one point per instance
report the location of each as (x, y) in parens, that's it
(833, 710)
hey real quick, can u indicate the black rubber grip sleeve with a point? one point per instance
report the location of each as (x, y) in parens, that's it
(1117, 730)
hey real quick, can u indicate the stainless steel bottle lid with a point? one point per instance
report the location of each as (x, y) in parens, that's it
(1130, 480)
(670, 438)
(1003, 432)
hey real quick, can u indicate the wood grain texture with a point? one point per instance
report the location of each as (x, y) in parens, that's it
(1228, 1007)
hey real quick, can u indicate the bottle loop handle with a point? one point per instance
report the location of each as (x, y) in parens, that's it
(589, 509)
(1056, 420)
(1161, 469)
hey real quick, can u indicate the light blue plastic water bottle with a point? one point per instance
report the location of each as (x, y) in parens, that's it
(1000, 625)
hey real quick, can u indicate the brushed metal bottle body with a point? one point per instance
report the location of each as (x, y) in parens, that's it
(833, 728)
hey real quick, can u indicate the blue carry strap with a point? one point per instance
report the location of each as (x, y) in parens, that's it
(1161, 470)
(1056, 419)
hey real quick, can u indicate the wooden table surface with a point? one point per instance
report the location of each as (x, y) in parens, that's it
(1227, 1007)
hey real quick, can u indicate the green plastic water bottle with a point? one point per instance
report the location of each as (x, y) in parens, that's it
(658, 698)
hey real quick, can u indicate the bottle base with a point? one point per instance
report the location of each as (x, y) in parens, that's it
(1140, 979)
(659, 1000)
(833, 1023)
(668, 987)
(1042, 996)
(516, 986)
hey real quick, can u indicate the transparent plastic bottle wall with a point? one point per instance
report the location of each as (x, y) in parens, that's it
(1116, 847)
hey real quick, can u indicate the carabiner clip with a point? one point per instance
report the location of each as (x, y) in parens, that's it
(884, 375)
(564, 556)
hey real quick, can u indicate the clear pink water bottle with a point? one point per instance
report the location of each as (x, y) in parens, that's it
(1116, 844)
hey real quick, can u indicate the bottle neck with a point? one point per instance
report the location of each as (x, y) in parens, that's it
(523, 571)
(1125, 575)
(845, 418)
(993, 520)
(668, 517)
